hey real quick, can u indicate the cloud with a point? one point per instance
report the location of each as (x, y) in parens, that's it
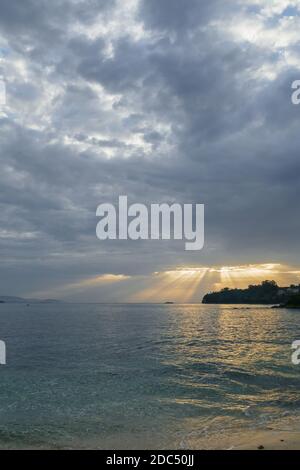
(176, 16)
(183, 101)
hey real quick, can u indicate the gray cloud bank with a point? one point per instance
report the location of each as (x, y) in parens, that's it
(162, 100)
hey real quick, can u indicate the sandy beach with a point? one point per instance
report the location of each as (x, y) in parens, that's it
(270, 440)
(281, 434)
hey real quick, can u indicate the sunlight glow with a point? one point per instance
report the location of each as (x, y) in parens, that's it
(188, 284)
(182, 284)
(178, 285)
(83, 285)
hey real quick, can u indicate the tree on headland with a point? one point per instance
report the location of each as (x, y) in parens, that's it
(293, 302)
(268, 292)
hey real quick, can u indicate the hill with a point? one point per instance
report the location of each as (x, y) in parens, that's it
(268, 293)
(7, 299)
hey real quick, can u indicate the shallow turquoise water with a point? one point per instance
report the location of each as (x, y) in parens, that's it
(144, 376)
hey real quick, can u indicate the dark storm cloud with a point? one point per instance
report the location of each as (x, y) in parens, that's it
(37, 17)
(184, 112)
(122, 73)
(175, 16)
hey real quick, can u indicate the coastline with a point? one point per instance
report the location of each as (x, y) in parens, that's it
(281, 434)
(260, 439)
(270, 440)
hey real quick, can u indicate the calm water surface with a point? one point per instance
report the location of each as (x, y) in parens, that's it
(145, 376)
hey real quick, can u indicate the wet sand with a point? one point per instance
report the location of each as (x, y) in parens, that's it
(270, 440)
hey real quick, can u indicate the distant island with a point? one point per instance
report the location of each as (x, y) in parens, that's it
(266, 293)
(7, 299)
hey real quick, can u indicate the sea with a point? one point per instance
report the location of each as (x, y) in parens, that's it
(145, 376)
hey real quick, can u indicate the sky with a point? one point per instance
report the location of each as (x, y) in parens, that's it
(162, 101)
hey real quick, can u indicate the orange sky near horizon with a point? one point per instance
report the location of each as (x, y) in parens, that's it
(185, 284)
(181, 284)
